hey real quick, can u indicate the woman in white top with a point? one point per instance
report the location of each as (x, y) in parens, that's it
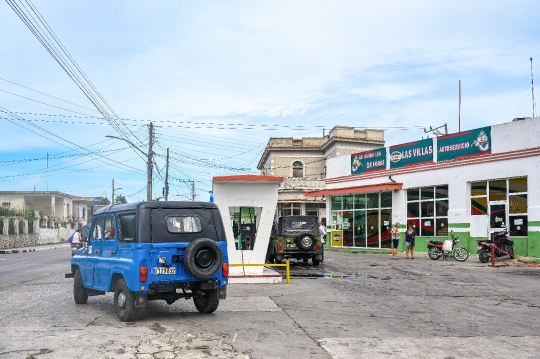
(395, 240)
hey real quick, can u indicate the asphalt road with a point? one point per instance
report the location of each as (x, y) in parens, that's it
(353, 306)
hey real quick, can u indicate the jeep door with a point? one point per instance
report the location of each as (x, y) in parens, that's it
(94, 247)
(107, 253)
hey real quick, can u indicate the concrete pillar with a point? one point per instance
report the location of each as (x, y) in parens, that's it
(16, 226)
(6, 226)
(25, 226)
(36, 226)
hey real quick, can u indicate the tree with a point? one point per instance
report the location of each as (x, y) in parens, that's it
(104, 200)
(120, 199)
(158, 198)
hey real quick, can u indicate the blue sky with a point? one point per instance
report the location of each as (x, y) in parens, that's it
(258, 65)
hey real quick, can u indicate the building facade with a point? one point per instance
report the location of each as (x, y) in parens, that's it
(50, 203)
(471, 183)
(302, 164)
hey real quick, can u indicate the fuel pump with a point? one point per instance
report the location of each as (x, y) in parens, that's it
(247, 228)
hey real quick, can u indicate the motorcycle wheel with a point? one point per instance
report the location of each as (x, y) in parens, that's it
(434, 253)
(484, 255)
(461, 254)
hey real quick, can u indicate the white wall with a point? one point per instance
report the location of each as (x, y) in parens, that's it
(515, 135)
(247, 194)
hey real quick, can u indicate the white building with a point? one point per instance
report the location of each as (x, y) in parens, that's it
(51, 203)
(470, 182)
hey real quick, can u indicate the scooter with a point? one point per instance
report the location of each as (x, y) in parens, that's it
(504, 246)
(447, 249)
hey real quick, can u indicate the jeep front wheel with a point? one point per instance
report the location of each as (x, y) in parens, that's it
(124, 302)
(206, 301)
(79, 291)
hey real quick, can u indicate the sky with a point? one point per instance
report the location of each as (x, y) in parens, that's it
(218, 78)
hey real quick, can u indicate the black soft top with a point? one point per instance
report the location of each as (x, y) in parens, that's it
(153, 205)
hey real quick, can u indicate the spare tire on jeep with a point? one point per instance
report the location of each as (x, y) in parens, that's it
(305, 242)
(202, 258)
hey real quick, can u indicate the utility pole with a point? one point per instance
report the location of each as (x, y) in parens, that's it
(166, 189)
(192, 191)
(149, 163)
(112, 200)
(459, 109)
(47, 171)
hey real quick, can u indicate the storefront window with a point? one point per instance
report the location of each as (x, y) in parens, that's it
(336, 203)
(372, 200)
(427, 210)
(360, 201)
(507, 194)
(347, 202)
(365, 219)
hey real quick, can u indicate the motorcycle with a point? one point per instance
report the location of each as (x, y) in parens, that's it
(447, 249)
(504, 246)
(74, 247)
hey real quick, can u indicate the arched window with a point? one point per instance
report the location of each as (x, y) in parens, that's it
(298, 169)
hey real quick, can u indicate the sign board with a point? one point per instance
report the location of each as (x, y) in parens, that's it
(337, 239)
(247, 215)
(367, 161)
(411, 153)
(464, 144)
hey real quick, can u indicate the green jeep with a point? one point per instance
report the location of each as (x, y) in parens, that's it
(295, 237)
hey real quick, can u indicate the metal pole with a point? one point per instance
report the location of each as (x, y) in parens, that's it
(167, 178)
(532, 89)
(47, 171)
(459, 109)
(112, 201)
(192, 191)
(149, 163)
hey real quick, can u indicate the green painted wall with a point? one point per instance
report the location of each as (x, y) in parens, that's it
(533, 245)
(521, 246)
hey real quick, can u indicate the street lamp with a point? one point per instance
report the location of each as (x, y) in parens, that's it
(148, 161)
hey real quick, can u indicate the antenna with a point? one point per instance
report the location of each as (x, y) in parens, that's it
(436, 131)
(532, 90)
(459, 109)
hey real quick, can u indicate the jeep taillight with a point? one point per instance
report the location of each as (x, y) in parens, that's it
(143, 274)
(225, 269)
(318, 246)
(280, 247)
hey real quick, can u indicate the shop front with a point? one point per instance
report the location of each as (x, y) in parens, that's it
(469, 183)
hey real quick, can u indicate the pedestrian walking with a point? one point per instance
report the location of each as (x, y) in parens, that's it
(410, 235)
(395, 240)
(322, 231)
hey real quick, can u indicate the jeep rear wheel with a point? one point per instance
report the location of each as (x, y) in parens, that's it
(203, 258)
(80, 295)
(206, 301)
(124, 302)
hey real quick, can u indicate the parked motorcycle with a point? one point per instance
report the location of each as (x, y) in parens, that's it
(447, 249)
(504, 246)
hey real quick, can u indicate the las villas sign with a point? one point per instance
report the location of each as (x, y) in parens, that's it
(449, 147)
(411, 153)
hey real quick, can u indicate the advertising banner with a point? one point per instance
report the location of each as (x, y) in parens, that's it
(367, 161)
(464, 144)
(411, 153)
(337, 238)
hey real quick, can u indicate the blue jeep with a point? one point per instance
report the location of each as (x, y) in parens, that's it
(153, 250)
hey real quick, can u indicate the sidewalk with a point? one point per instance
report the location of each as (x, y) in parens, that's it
(35, 248)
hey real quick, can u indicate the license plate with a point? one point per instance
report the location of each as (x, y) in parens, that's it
(164, 270)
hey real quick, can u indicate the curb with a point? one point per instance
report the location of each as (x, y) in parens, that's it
(27, 250)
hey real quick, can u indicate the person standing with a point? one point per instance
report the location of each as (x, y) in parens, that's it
(395, 240)
(410, 235)
(322, 232)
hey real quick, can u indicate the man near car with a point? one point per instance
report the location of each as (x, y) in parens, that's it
(322, 231)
